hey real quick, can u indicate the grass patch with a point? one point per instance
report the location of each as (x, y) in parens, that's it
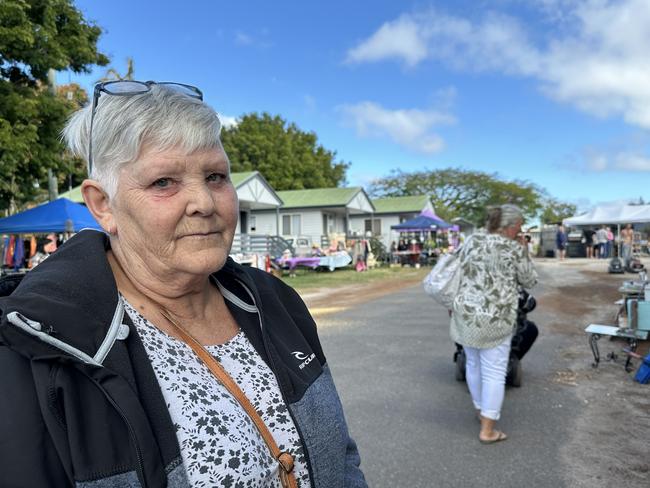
(307, 278)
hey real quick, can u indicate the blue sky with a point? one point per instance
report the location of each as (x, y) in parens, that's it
(556, 92)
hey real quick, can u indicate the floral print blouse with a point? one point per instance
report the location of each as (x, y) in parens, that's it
(220, 445)
(493, 268)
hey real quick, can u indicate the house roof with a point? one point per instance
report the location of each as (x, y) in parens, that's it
(318, 197)
(401, 204)
(254, 192)
(240, 178)
(74, 195)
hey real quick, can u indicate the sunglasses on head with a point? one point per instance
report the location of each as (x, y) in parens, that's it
(127, 88)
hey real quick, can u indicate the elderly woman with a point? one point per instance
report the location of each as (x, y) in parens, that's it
(494, 265)
(144, 356)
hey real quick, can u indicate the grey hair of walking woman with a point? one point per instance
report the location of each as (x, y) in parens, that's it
(494, 265)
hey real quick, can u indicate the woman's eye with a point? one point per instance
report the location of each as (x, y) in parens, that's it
(216, 177)
(161, 183)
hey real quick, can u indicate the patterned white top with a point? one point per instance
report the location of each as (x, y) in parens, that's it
(492, 269)
(220, 444)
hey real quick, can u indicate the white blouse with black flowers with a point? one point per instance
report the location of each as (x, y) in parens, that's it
(220, 445)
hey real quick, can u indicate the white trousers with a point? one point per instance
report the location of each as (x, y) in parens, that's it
(485, 372)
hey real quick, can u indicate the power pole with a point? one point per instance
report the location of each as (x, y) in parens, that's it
(52, 186)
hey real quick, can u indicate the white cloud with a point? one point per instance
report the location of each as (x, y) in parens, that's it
(617, 161)
(597, 61)
(411, 128)
(597, 162)
(400, 39)
(633, 162)
(259, 40)
(227, 121)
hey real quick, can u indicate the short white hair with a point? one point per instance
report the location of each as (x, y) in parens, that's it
(123, 126)
(510, 215)
(502, 216)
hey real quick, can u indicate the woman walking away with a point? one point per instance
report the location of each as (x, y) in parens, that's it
(494, 265)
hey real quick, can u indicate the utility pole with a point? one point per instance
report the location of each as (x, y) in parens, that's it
(52, 187)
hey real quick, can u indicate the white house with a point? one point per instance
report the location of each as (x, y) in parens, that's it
(317, 214)
(391, 211)
(254, 194)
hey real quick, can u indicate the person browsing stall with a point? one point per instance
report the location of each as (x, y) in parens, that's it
(493, 267)
(144, 356)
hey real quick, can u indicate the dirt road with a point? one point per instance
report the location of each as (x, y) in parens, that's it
(609, 442)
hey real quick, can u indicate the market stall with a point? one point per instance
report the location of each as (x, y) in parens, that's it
(614, 215)
(418, 238)
(62, 216)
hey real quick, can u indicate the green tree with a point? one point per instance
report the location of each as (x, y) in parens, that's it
(287, 157)
(639, 201)
(461, 193)
(555, 211)
(36, 38)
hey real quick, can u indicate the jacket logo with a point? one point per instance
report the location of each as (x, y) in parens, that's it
(301, 356)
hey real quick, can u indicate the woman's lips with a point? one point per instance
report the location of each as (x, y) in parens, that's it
(198, 235)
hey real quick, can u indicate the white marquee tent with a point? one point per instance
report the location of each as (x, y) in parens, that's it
(612, 215)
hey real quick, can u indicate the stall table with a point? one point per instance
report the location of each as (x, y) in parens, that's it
(632, 336)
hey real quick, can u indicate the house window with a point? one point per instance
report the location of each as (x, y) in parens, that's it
(295, 224)
(291, 225)
(253, 223)
(373, 226)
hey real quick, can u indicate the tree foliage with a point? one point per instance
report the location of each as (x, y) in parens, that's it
(461, 193)
(638, 201)
(37, 36)
(555, 211)
(289, 158)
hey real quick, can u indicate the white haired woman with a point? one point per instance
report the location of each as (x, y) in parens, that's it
(108, 348)
(494, 265)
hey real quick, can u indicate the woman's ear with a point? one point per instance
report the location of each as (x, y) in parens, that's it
(97, 202)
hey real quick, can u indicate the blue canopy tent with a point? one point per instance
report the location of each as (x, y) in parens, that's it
(61, 215)
(426, 221)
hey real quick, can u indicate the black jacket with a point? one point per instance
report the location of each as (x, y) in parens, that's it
(80, 402)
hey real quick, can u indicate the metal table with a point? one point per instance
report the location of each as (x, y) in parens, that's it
(596, 331)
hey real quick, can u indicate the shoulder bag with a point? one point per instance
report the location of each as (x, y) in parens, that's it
(443, 282)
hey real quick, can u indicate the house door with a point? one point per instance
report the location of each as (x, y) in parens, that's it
(243, 222)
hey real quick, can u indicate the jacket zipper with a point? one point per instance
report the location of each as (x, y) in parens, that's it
(50, 331)
(277, 380)
(134, 439)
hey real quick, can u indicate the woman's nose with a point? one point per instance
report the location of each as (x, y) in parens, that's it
(200, 199)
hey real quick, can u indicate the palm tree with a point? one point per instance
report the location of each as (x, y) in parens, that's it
(112, 74)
